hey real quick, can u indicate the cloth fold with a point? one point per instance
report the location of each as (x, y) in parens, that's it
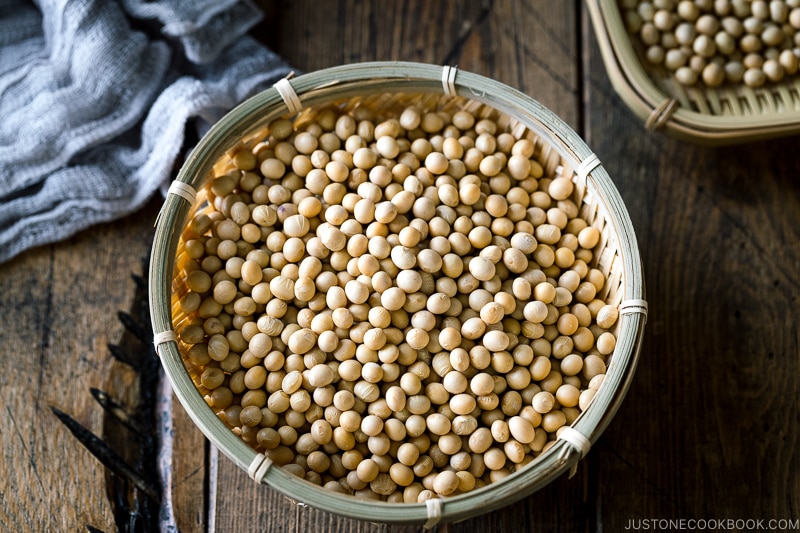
(95, 109)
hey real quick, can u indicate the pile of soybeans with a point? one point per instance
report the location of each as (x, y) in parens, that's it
(393, 307)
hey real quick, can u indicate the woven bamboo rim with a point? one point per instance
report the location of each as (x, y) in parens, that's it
(389, 83)
(713, 116)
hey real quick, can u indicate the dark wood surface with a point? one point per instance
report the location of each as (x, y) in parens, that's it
(710, 427)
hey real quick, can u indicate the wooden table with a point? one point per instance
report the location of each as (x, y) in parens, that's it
(709, 430)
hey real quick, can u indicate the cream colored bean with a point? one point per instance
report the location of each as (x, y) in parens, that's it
(543, 402)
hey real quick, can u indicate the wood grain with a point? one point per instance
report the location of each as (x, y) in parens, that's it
(189, 487)
(530, 45)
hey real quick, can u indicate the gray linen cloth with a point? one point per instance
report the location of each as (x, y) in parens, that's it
(96, 97)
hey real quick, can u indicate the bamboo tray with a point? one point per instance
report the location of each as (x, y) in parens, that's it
(383, 85)
(725, 115)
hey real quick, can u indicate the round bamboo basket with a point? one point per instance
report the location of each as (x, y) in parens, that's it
(387, 86)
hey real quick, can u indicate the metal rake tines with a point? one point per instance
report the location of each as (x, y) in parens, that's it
(128, 445)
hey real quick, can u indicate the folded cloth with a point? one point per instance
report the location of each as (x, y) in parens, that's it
(96, 98)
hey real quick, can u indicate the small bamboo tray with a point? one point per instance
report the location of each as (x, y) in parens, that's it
(392, 85)
(711, 116)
